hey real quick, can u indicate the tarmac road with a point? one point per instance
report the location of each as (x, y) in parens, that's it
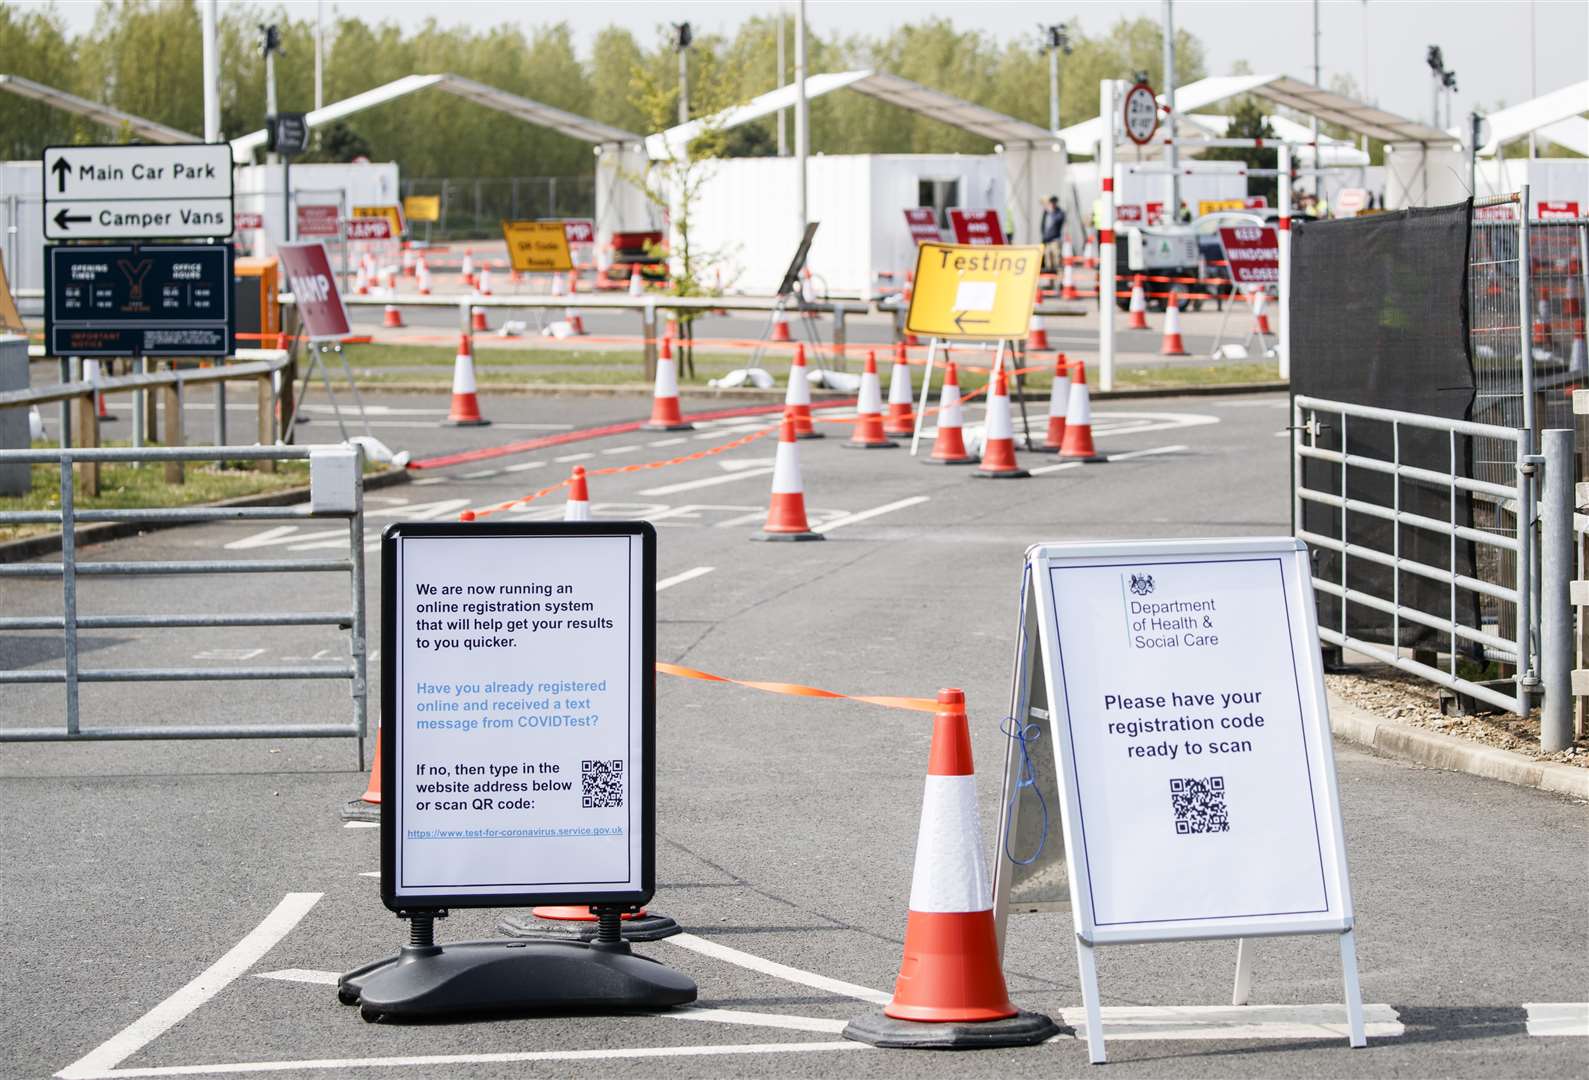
(786, 826)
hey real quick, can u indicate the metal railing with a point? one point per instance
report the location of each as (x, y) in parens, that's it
(72, 675)
(1517, 648)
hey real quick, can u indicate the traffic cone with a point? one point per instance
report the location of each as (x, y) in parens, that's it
(1173, 345)
(576, 324)
(901, 420)
(665, 415)
(557, 285)
(483, 285)
(361, 284)
(1089, 253)
(998, 447)
(409, 260)
(1067, 251)
(797, 399)
(1058, 405)
(780, 327)
(1078, 419)
(477, 320)
(1542, 326)
(949, 448)
(1138, 306)
(422, 275)
(868, 434)
(578, 506)
(1067, 283)
(1036, 334)
(573, 280)
(637, 286)
(393, 318)
(466, 270)
(91, 373)
(1260, 314)
(786, 514)
(1577, 363)
(950, 993)
(367, 807)
(465, 411)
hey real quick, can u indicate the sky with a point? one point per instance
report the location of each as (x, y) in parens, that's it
(1379, 43)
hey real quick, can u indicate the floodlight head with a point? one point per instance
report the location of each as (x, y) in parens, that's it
(682, 36)
(1435, 60)
(270, 39)
(1449, 79)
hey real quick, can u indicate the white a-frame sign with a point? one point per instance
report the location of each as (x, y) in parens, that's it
(1170, 774)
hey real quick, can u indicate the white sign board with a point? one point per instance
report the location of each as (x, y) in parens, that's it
(519, 708)
(137, 192)
(1186, 721)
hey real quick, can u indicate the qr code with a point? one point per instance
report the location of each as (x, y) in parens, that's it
(601, 783)
(1199, 805)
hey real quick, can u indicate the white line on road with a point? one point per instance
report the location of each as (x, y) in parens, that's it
(1127, 456)
(668, 442)
(361, 825)
(481, 475)
(104, 1058)
(434, 1060)
(1234, 1021)
(573, 457)
(524, 466)
(680, 579)
(876, 511)
(627, 448)
(777, 970)
(754, 1019)
(301, 975)
(1558, 1018)
(709, 481)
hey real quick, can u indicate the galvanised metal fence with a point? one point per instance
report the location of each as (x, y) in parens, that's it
(71, 621)
(473, 208)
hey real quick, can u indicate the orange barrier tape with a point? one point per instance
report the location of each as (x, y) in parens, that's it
(914, 704)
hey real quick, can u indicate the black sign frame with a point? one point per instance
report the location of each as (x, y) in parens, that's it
(391, 599)
(124, 336)
(287, 134)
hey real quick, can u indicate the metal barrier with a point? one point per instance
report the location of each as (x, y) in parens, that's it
(1519, 648)
(69, 569)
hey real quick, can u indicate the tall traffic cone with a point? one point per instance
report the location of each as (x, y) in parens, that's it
(466, 270)
(786, 514)
(1058, 405)
(557, 285)
(868, 434)
(950, 993)
(393, 317)
(901, 420)
(483, 282)
(1078, 420)
(637, 285)
(367, 807)
(91, 374)
(361, 283)
(1089, 253)
(422, 276)
(1138, 306)
(465, 411)
(1173, 345)
(998, 447)
(573, 280)
(1067, 250)
(797, 399)
(780, 326)
(578, 506)
(949, 448)
(477, 320)
(1067, 282)
(665, 414)
(1036, 334)
(1260, 314)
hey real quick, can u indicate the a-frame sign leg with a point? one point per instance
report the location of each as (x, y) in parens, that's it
(1087, 968)
(1241, 993)
(1354, 993)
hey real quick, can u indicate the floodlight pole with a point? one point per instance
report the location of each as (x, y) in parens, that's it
(684, 86)
(212, 74)
(1169, 105)
(802, 119)
(319, 53)
(1053, 89)
(783, 138)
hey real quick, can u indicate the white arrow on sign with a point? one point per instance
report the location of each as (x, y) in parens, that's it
(190, 171)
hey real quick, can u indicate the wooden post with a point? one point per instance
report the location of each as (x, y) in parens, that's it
(172, 406)
(267, 422)
(151, 403)
(87, 435)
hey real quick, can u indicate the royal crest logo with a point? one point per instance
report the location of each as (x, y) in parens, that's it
(1141, 584)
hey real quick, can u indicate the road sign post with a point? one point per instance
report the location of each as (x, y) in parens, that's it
(137, 192)
(517, 763)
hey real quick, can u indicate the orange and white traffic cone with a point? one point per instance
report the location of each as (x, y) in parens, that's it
(797, 399)
(1577, 362)
(868, 434)
(576, 324)
(998, 446)
(1260, 313)
(483, 283)
(1089, 253)
(1058, 406)
(91, 374)
(477, 320)
(361, 283)
(393, 317)
(950, 993)
(367, 807)
(901, 422)
(578, 506)
(1138, 306)
(1067, 282)
(422, 276)
(949, 448)
(665, 414)
(637, 285)
(465, 411)
(466, 270)
(557, 285)
(1036, 334)
(1067, 251)
(1173, 345)
(780, 327)
(409, 260)
(1078, 419)
(573, 280)
(786, 514)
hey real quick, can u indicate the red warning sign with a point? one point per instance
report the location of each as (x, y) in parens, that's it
(922, 223)
(976, 226)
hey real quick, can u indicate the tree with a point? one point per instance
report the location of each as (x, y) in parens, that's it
(1247, 121)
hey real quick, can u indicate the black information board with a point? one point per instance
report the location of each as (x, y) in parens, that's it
(139, 300)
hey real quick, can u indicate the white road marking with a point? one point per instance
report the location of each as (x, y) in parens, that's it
(369, 873)
(361, 825)
(434, 1060)
(777, 970)
(103, 1059)
(1262, 403)
(524, 466)
(739, 464)
(1234, 1021)
(628, 448)
(668, 442)
(1558, 1018)
(301, 975)
(429, 480)
(753, 1019)
(863, 515)
(481, 475)
(688, 575)
(708, 481)
(573, 457)
(1044, 470)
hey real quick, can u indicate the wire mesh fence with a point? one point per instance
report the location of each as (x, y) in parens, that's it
(473, 208)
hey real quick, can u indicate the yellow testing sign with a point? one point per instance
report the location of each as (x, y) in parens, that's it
(537, 246)
(974, 291)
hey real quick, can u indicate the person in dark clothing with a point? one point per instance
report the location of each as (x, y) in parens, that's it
(1053, 234)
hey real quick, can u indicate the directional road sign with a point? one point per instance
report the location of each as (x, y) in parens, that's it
(137, 192)
(138, 300)
(974, 291)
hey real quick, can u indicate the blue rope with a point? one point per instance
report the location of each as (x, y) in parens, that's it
(1026, 776)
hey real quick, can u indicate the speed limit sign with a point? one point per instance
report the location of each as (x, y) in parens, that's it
(1141, 113)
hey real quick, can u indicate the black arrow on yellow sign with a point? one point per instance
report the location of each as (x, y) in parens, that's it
(961, 321)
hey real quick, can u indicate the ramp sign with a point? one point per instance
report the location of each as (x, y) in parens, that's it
(974, 291)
